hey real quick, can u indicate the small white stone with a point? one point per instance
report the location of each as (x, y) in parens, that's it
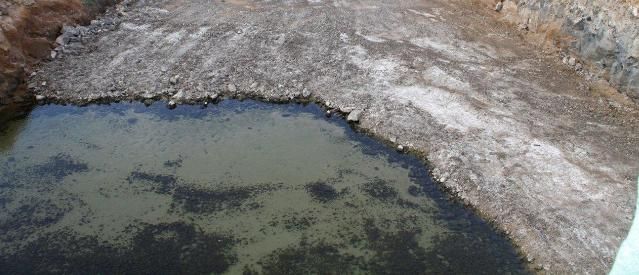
(179, 95)
(354, 116)
(499, 6)
(147, 95)
(635, 11)
(400, 148)
(232, 88)
(40, 97)
(172, 104)
(572, 61)
(211, 96)
(44, 83)
(306, 93)
(174, 80)
(346, 109)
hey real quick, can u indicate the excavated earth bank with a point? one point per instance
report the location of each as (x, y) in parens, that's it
(28, 29)
(547, 156)
(598, 38)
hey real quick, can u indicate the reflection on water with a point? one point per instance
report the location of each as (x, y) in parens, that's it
(241, 187)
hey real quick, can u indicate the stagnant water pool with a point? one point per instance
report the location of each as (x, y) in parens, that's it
(239, 187)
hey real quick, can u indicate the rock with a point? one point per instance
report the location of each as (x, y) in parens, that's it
(306, 93)
(499, 6)
(62, 40)
(231, 87)
(68, 29)
(174, 80)
(179, 95)
(54, 54)
(172, 104)
(147, 95)
(354, 116)
(328, 113)
(635, 11)
(40, 97)
(170, 91)
(211, 96)
(530, 259)
(44, 83)
(634, 49)
(572, 61)
(253, 85)
(148, 102)
(400, 148)
(578, 67)
(345, 109)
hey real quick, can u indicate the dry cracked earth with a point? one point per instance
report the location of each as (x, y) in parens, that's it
(548, 157)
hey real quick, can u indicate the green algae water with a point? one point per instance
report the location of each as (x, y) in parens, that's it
(236, 188)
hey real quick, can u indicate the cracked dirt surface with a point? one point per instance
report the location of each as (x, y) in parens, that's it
(533, 147)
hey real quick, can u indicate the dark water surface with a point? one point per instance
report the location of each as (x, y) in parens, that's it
(239, 187)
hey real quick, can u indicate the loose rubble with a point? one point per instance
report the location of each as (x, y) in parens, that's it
(72, 38)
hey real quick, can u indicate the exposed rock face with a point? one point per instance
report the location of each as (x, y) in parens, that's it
(603, 33)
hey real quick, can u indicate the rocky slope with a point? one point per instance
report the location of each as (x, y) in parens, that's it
(600, 36)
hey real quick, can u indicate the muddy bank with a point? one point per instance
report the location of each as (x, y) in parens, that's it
(28, 30)
(601, 37)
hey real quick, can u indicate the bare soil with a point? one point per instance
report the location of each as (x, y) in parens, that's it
(550, 158)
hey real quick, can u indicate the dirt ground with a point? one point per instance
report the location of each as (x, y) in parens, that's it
(547, 156)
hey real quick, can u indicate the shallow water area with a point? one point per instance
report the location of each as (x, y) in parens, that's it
(239, 187)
